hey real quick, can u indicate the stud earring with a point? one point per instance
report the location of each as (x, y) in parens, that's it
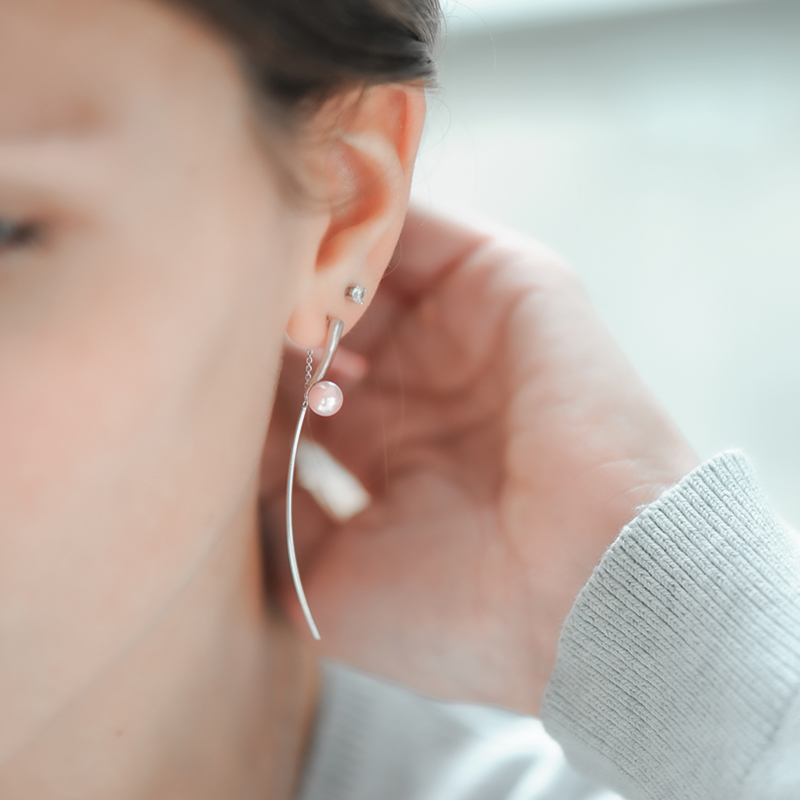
(356, 294)
(323, 398)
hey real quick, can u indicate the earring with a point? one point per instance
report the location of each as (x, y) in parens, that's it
(323, 398)
(356, 294)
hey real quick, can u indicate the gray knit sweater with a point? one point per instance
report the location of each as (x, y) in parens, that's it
(678, 677)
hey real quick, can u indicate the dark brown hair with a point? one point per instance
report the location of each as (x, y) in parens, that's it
(299, 53)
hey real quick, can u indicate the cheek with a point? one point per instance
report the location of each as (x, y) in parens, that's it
(134, 402)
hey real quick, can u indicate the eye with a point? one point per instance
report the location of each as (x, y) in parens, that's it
(15, 234)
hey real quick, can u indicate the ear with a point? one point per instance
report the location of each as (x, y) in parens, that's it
(366, 169)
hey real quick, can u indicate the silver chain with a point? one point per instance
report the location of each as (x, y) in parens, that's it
(309, 366)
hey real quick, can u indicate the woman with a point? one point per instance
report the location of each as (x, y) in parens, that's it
(182, 185)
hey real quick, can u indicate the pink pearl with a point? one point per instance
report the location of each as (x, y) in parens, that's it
(325, 398)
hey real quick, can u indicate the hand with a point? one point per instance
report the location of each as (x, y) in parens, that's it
(505, 439)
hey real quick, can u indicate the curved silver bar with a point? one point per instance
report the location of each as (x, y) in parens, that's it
(335, 328)
(298, 585)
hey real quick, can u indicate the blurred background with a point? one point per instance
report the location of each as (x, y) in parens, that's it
(655, 143)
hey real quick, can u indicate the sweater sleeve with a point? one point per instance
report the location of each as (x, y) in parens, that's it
(678, 673)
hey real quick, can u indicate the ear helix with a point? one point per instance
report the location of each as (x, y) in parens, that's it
(324, 398)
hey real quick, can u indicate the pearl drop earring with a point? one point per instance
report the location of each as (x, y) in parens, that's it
(323, 398)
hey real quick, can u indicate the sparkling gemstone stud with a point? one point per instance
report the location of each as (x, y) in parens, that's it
(356, 294)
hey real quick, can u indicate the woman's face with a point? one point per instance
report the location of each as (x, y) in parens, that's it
(148, 265)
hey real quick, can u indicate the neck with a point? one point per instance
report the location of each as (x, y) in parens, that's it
(215, 701)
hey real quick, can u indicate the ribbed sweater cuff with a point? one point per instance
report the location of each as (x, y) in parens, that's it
(681, 655)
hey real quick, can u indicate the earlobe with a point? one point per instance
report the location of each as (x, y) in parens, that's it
(367, 175)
